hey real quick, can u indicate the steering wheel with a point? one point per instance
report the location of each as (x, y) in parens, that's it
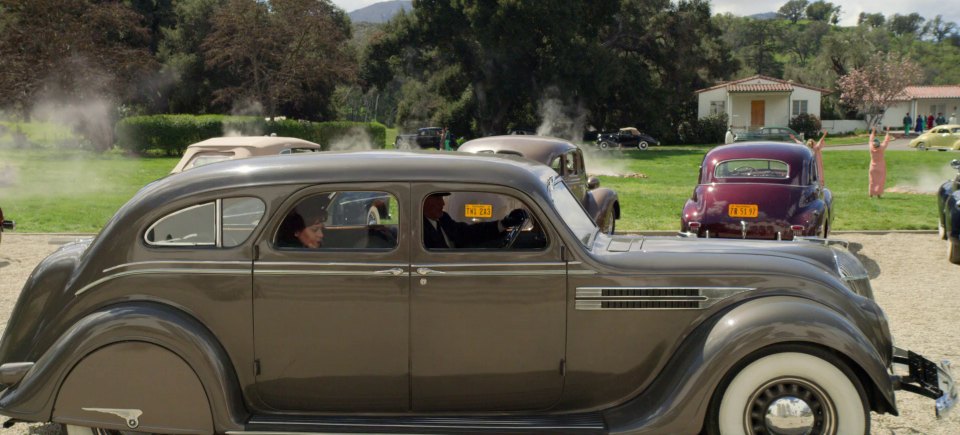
(744, 169)
(514, 233)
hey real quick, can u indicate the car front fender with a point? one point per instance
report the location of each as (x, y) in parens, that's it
(599, 200)
(678, 400)
(33, 397)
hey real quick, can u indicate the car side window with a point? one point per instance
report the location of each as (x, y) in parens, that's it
(570, 161)
(221, 223)
(479, 221)
(341, 220)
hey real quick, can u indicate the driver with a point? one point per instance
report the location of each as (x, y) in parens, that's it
(440, 231)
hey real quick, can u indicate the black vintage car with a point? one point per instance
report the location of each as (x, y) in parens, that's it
(948, 213)
(425, 138)
(627, 137)
(186, 315)
(5, 224)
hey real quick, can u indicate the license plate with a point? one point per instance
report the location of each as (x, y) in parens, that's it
(478, 210)
(743, 210)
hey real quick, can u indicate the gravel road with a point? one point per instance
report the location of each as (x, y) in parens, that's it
(912, 281)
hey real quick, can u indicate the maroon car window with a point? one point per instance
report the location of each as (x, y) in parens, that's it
(341, 220)
(752, 168)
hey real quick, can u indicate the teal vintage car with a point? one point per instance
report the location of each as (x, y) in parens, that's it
(940, 137)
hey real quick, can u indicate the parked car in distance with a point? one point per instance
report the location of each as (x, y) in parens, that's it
(948, 214)
(602, 204)
(175, 319)
(781, 134)
(425, 138)
(758, 190)
(5, 224)
(625, 138)
(218, 149)
(939, 137)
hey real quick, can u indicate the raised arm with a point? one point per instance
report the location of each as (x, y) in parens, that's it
(886, 139)
(794, 138)
(873, 135)
(820, 142)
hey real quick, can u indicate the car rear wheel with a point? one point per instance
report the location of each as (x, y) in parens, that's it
(792, 393)
(922, 146)
(953, 251)
(643, 145)
(373, 216)
(941, 230)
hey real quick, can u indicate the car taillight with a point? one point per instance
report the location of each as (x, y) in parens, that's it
(694, 226)
(796, 228)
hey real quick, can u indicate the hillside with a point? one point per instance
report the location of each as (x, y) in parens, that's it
(380, 12)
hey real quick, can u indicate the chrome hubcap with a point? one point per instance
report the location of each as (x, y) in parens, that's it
(789, 415)
(790, 406)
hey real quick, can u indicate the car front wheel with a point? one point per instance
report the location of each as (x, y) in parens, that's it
(605, 145)
(792, 392)
(922, 146)
(953, 251)
(941, 230)
(643, 145)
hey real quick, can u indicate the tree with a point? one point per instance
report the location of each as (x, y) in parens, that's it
(939, 29)
(905, 24)
(872, 20)
(286, 55)
(72, 52)
(761, 39)
(793, 10)
(823, 11)
(184, 61)
(872, 88)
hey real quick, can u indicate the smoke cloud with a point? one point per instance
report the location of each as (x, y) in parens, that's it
(356, 139)
(925, 182)
(565, 121)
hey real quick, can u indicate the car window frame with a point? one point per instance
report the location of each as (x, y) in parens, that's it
(218, 222)
(271, 236)
(716, 166)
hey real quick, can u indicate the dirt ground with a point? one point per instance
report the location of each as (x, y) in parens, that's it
(912, 281)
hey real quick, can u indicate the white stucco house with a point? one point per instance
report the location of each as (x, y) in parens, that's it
(759, 101)
(922, 100)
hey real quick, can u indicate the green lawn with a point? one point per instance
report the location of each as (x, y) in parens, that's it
(47, 191)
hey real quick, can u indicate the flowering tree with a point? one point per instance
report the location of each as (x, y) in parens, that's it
(872, 88)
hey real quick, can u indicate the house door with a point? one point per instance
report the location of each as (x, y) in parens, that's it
(757, 111)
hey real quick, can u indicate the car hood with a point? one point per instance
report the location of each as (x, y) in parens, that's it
(685, 255)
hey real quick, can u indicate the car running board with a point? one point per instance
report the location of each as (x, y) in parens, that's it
(580, 424)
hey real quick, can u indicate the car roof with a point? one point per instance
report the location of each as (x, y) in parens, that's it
(539, 148)
(267, 142)
(789, 153)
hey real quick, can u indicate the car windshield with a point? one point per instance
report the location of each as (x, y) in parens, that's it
(752, 168)
(572, 212)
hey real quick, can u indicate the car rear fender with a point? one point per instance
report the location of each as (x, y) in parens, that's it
(599, 200)
(678, 400)
(124, 334)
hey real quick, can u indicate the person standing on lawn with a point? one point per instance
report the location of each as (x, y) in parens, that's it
(878, 166)
(907, 122)
(919, 125)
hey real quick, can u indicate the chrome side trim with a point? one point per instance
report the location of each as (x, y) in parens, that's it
(327, 264)
(130, 416)
(205, 263)
(653, 298)
(557, 264)
(295, 272)
(162, 271)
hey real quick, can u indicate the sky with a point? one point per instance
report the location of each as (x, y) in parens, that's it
(851, 8)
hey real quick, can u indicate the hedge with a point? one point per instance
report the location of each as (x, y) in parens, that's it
(172, 134)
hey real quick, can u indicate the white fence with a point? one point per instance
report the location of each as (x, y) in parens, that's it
(843, 126)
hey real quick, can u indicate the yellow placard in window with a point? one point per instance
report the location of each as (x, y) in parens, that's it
(478, 210)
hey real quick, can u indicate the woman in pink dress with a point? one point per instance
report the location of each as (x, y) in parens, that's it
(878, 166)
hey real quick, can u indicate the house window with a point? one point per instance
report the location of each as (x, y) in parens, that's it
(718, 107)
(799, 106)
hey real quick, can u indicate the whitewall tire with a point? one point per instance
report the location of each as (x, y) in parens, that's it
(758, 395)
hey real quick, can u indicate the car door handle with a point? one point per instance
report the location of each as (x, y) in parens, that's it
(396, 271)
(428, 271)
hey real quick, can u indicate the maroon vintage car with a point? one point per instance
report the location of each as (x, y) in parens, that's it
(759, 190)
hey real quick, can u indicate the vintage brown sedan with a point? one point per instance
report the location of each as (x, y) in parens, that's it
(206, 305)
(566, 159)
(759, 190)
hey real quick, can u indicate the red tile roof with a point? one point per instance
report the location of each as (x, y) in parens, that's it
(929, 92)
(737, 83)
(761, 87)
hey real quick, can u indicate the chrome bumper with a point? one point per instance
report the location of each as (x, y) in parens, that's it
(926, 378)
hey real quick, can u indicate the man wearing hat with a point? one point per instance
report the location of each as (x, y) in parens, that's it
(440, 231)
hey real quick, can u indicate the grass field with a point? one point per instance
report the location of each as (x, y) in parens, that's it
(75, 191)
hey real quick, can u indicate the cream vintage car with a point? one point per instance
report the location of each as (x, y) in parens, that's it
(939, 137)
(218, 149)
